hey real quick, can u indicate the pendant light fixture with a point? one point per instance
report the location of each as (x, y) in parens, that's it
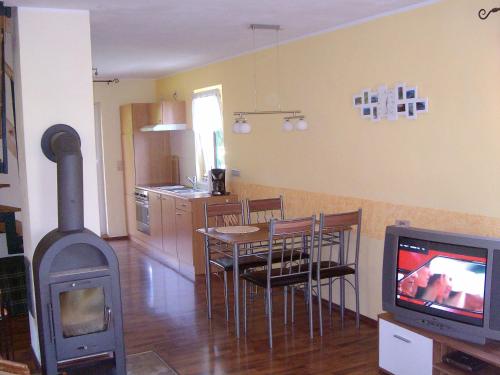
(240, 125)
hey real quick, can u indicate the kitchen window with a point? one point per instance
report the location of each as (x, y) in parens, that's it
(208, 130)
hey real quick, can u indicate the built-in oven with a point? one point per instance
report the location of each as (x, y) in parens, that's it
(142, 210)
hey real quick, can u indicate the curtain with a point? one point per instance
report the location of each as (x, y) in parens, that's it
(207, 120)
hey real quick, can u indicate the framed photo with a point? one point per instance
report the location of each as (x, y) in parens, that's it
(400, 92)
(411, 93)
(411, 110)
(422, 105)
(374, 98)
(357, 101)
(375, 114)
(401, 108)
(366, 96)
(366, 111)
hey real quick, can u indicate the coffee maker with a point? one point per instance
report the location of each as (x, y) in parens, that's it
(218, 177)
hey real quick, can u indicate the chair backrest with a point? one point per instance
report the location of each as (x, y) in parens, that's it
(329, 229)
(264, 210)
(223, 214)
(290, 241)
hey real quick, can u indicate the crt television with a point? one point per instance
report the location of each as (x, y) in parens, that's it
(448, 283)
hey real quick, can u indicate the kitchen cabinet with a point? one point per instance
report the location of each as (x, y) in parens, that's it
(169, 239)
(167, 112)
(184, 235)
(173, 222)
(146, 155)
(155, 220)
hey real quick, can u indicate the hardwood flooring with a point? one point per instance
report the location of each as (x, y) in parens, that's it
(165, 312)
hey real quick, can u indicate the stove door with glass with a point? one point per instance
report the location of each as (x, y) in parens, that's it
(82, 320)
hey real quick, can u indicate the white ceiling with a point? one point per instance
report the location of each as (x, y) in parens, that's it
(153, 38)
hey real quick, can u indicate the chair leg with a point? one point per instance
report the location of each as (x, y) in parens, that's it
(208, 284)
(320, 308)
(356, 291)
(310, 295)
(330, 297)
(270, 316)
(342, 300)
(245, 306)
(292, 302)
(285, 295)
(226, 296)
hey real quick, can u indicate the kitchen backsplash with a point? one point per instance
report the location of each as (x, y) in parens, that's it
(182, 145)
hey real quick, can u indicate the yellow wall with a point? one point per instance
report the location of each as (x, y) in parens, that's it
(441, 171)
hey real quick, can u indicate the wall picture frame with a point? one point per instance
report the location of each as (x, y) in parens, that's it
(422, 105)
(390, 103)
(411, 110)
(411, 93)
(401, 92)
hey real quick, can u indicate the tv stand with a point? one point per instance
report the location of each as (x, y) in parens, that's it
(403, 347)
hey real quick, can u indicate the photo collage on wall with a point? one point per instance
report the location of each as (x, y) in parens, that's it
(390, 103)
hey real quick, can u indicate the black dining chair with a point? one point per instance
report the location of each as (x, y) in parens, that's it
(294, 268)
(335, 260)
(218, 253)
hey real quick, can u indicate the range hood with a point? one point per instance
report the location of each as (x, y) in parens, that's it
(163, 127)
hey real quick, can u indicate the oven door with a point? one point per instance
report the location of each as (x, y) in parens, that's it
(142, 216)
(82, 319)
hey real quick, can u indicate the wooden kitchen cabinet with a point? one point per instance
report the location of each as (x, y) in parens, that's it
(155, 220)
(146, 155)
(167, 112)
(169, 232)
(184, 235)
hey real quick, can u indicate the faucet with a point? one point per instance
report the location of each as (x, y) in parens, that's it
(194, 182)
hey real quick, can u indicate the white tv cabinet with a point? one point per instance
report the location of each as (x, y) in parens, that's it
(406, 350)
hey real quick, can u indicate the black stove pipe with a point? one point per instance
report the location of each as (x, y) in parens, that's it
(61, 144)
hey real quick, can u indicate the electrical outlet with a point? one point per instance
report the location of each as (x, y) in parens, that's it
(403, 223)
(235, 172)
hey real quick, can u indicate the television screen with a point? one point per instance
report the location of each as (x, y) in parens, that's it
(441, 279)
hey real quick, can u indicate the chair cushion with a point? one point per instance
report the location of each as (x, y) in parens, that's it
(260, 277)
(256, 260)
(244, 262)
(331, 269)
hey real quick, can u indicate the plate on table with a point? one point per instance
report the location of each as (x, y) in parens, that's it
(237, 229)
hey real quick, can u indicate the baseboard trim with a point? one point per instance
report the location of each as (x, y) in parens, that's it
(348, 312)
(105, 237)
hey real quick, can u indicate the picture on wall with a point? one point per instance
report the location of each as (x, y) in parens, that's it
(422, 106)
(411, 113)
(391, 103)
(400, 88)
(411, 93)
(366, 96)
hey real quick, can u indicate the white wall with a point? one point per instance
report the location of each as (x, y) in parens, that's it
(53, 85)
(110, 97)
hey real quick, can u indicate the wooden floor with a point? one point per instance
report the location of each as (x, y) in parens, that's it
(166, 313)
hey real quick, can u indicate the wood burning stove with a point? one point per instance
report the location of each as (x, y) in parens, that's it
(76, 275)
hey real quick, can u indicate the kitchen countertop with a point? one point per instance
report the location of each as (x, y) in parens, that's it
(186, 196)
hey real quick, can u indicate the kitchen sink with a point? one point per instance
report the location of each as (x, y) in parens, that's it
(179, 189)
